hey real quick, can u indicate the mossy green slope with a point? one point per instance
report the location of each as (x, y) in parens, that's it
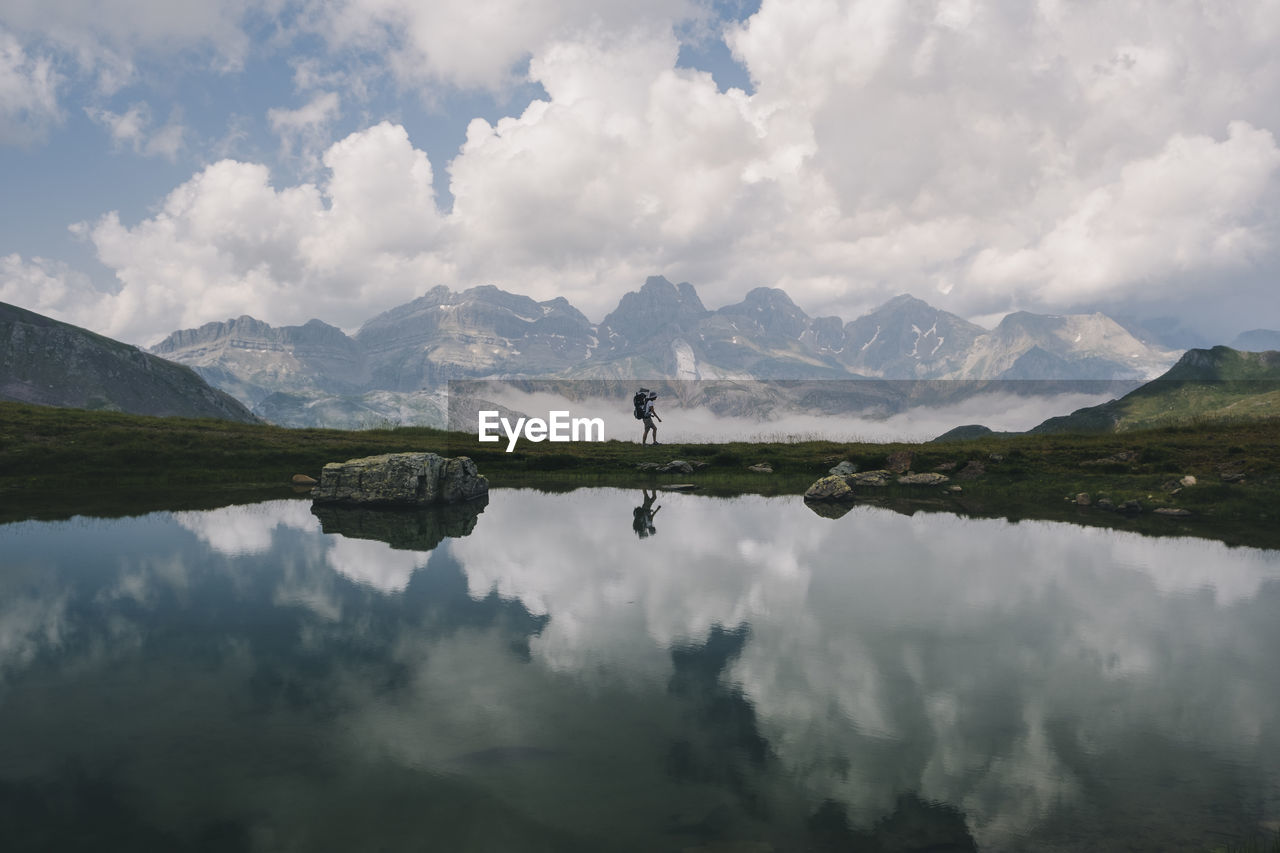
(51, 363)
(1205, 386)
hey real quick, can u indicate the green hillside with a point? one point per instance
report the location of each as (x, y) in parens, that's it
(49, 363)
(1218, 385)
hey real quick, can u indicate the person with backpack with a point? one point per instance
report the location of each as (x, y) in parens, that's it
(644, 411)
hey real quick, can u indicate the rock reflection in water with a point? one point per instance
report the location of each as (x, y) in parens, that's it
(418, 529)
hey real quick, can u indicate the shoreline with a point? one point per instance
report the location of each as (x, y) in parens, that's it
(63, 462)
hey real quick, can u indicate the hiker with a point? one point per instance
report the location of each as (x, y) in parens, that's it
(648, 415)
(642, 522)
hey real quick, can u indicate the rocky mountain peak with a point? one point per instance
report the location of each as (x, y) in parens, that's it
(689, 298)
(908, 338)
(661, 296)
(482, 331)
(826, 334)
(1025, 345)
(487, 294)
(252, 359)
(243, 326)
(772, 311)
(903, 302)
(659, 308)
(1025, 320)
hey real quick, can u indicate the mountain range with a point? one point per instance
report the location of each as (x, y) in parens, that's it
(395, 368)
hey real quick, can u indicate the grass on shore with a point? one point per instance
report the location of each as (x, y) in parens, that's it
(48, 453)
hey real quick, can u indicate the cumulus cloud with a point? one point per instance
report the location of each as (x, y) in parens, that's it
(971, 126)
(984, 156)
(629, 165)
(886, 148)
(476, 43)
(1198, 204)
(227, 242)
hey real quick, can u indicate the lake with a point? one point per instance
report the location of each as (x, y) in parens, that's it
(610, 669)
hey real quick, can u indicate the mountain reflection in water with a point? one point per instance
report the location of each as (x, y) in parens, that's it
(750, 677)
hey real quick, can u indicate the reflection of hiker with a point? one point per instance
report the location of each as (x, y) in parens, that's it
(642, 523)
(643, 402)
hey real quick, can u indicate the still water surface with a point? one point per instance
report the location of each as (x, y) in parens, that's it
(570, 672)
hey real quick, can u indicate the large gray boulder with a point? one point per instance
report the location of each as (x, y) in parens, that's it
(840, 487)
(400, 479)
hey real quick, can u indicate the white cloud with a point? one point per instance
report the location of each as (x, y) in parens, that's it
(476, 43)
(227, 243)
(375, 564)
(107, 38)
(304, 131)
(133, 129)
(629, 166)
(247, 528)
(1198, 205)
(852, 628)
(986, 156)
(983, 127)
(29, 624)
(28, 93)
(126, 127)
(51, 288)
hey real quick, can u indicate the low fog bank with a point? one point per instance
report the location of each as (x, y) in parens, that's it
(697, 419)
(1000, 412)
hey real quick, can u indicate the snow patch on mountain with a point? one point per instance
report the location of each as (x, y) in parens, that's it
(686, 361)
(915, 345)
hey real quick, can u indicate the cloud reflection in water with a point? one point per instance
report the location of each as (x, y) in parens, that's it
(747, 652)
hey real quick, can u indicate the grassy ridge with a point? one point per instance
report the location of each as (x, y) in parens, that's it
(1173, 403)
(48, 455)
(39, 443)
(1220, 385)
